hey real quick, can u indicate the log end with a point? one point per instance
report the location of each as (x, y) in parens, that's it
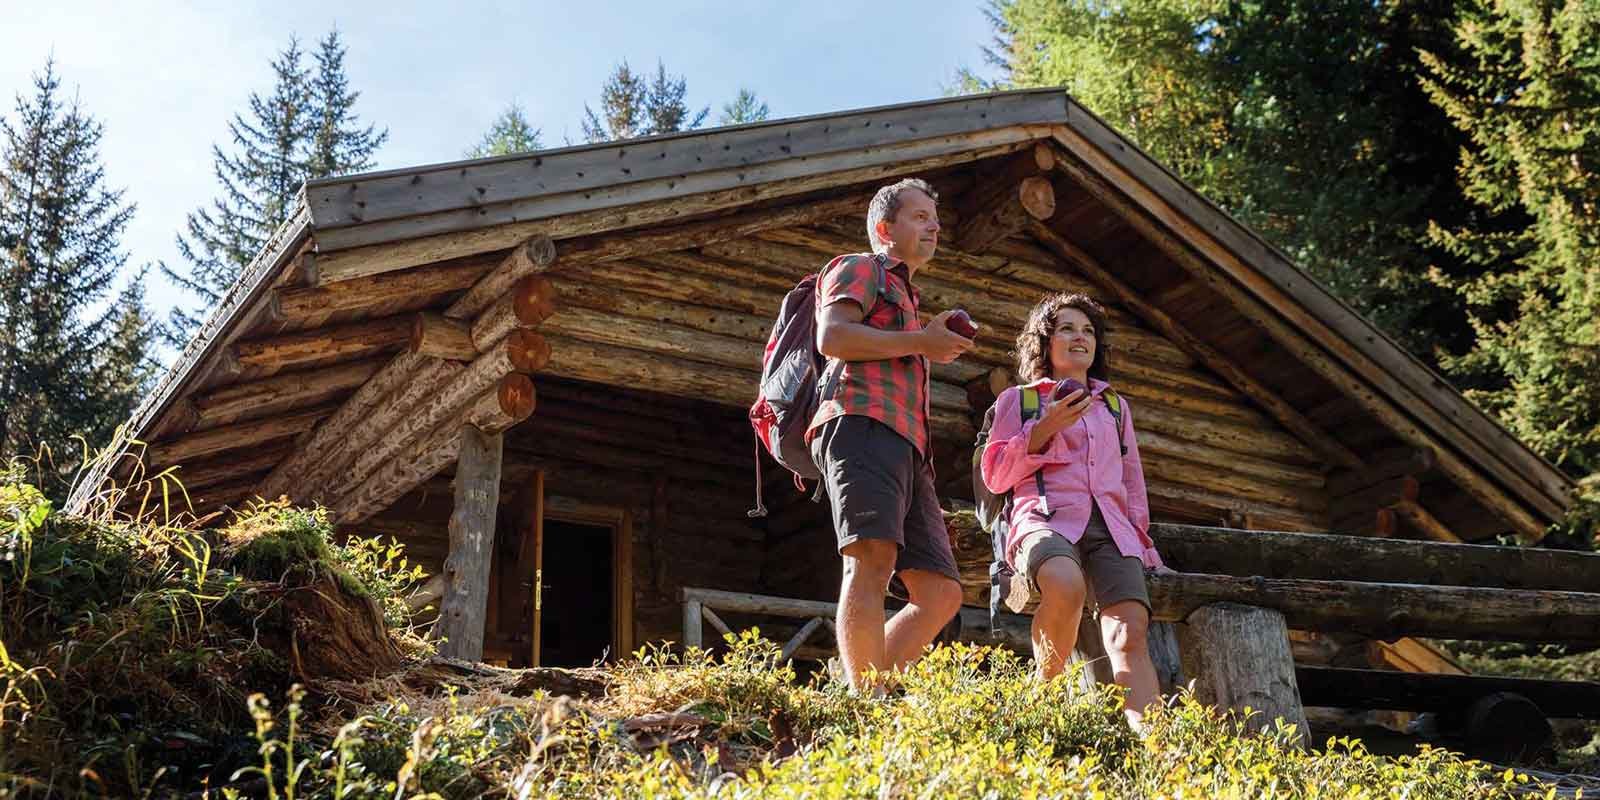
(540, 251)
(529, 352)
(534, 300)
(1038, 197)
(517, 396)
(1043, 157)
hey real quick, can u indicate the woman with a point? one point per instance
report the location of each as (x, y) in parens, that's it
(1093, 517)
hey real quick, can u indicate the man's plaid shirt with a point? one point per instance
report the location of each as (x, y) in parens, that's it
(892, 391)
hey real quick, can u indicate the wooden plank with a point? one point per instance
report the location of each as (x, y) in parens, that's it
(1413, 381)
(1465, 474)
(1390, 610)
(324, 345)
(233, 437)
(1416, 691)
(1285, 414)
(463, 608)
(411, 241)
(994, 214)
(362, 294)
(1323, 556)
(1412, 512)
(485, 184)
(280, 394)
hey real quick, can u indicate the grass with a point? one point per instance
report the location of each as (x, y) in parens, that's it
(147, 658)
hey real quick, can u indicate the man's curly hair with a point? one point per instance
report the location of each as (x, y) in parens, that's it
(1033, 344)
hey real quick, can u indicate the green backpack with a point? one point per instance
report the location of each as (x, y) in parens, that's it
(994, 511)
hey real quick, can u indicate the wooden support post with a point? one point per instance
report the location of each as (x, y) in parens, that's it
(1239, 657)
(477, 495)
(1167, 656)
(692, 610)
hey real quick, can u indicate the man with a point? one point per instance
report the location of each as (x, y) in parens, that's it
(870, 436)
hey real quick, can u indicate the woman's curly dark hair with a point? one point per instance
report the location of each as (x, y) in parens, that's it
(1033, 344)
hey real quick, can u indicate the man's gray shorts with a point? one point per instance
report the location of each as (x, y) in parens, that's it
(880, 488)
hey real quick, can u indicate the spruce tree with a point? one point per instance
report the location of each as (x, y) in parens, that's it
(632, 107)
(1526, 90)
(339, 145)
(510, 133)
(306, 128)
(68, 365)
(745, 107)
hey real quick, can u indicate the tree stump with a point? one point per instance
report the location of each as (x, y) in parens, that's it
(1239, 657)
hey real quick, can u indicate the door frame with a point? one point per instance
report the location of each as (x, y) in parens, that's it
(620, 521)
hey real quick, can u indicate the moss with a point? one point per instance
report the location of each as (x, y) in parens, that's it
(273, 541)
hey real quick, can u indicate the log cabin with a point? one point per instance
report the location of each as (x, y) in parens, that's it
(534, 370)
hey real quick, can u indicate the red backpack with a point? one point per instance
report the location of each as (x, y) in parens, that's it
(787, 398)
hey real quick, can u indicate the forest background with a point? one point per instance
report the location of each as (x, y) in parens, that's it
(1436, 164)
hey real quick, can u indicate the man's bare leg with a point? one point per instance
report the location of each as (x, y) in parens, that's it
(868, 563)
(1124, 627)
(934, 600)
(1055, 623)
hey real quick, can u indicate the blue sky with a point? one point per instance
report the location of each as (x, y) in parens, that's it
(164, 78)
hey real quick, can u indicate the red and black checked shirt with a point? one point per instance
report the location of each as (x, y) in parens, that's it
(893, 391)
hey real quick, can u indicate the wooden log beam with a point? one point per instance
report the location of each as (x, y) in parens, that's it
(1413, 512)
(464, 605)
(1238, 658)
(994, 217)
(1421, 691)
(1383, 466)
(312, 302)
(1381, 495)
(1193, 548)
(1391, 610)
(1279, 409)
(532, 256)
(232, 437)
(529, 303)
(580, 359)
(426, 459)
(1000, 204)
(1347, 370)
(434, 335)
(280, 393)
(384, 382)
(335, 456)
(439, 401)
(323, 346)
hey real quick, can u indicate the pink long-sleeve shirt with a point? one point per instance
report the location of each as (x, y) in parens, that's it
(1082, 465)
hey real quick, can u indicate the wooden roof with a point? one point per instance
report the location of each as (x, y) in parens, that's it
(674, 250)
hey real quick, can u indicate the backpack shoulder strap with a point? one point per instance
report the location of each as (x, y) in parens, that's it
(1114, 404)
(1029, 408)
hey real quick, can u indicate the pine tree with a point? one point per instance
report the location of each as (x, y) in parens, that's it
(1301, 117)
(306, 129)
(510, 133)
(633, 107)
(339, 145)
(1526, 89)
(60, 253)
(745, 107)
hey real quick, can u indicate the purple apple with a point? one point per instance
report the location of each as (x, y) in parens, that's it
(1066, 387)
(960, 323)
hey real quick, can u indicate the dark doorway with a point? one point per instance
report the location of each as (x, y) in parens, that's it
(577, 612)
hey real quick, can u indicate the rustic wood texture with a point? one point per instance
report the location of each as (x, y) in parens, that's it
(397, 372)
(1099, 174)
(263, 357)
(535, 255)
(426, 459)
(1285, 414)
(529, 303)
(1238, 658)
(280, 394)
(233, 437)
(463, 607)
(1413, 691)
(1418, 517)
(999, 210)
(1324, 557)
(312, 303)
(433, 335)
